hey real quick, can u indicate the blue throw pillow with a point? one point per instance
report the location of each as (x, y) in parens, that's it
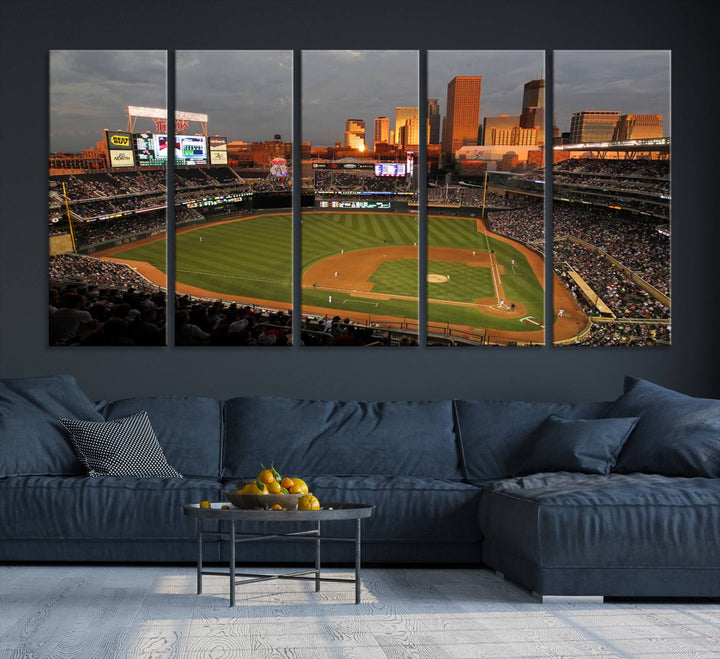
(494, 434)
(589, 446)
(677, 435)
(32, 441)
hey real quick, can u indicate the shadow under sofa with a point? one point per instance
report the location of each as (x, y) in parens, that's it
(440, 473)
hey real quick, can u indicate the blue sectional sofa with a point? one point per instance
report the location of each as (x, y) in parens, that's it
(449, 480)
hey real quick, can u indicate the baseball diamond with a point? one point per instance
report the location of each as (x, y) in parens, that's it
(365, 266)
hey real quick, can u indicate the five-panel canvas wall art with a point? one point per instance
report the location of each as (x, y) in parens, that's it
(477, 214)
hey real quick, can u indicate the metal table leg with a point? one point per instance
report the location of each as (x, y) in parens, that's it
(317, 560)
(232, 562)
(357, 561)
(200, 556)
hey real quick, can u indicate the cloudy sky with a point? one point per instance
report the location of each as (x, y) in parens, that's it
(248, 96)
(91, 89)
(631, 81)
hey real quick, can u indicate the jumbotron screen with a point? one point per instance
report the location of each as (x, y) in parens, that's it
(389, 169)
(191, 150)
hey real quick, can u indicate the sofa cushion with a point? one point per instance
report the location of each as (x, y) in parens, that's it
(493, 434)
(408, 509)
(677, 435)
(568, 520)
(189, 429)
(121, 447)
(32, 440)
(313, 437)
(590, 446)
(101, 509)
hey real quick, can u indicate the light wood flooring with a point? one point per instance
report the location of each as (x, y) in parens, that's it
(95, 612)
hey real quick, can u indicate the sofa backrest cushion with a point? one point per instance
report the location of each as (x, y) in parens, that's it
(677, 435)
(32, 440)
(314, 437)
(493, 434)
(189, 429)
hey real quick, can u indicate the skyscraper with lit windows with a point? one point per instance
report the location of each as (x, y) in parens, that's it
(355, 134)
(462, 120)
(382, 130)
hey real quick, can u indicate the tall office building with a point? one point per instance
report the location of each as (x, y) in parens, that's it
(638, 127)
(501, 122)
(534, 94)
(434, 119)
(593, 126)
(382, 131)
(462, 120)
(533, 108)
(515, 136)
(355, 134)
(401, 116)
(411, 132)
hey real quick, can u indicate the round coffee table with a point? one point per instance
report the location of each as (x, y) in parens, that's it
(329, 513)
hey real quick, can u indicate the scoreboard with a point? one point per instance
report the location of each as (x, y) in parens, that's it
(390, 169)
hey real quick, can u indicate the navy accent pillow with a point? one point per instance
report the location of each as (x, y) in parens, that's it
(677, 435)
(493, 434)
(32, 441)
(589, 446)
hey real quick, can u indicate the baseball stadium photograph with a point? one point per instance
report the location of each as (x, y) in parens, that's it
(362, 248)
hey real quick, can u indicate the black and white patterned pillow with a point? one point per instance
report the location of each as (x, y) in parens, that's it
(121, 447)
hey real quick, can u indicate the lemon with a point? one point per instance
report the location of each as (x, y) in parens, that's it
(256, 487)
(274, 487)
(266, 476)
(299, 487)
(308, 502)
(205, 504)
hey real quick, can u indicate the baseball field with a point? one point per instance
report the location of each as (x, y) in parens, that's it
(362, 265)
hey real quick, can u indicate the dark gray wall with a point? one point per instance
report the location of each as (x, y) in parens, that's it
(31, 28)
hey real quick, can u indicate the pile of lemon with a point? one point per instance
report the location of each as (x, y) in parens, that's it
(269, 481)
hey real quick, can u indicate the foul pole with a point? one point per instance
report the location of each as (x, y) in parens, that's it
(67, 210)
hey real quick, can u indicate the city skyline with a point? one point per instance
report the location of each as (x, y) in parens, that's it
(248, 94)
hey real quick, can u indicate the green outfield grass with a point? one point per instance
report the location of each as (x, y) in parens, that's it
(253, 258)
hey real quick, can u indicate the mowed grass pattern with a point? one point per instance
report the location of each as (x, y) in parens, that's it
(253, 258)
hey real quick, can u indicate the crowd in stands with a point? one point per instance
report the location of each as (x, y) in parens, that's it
(633, 242)
(454, 195)
(625, 167)
(626, 334)
(269, 185)
(334, 182)
(623, 296)
(94, 302)
(95, 195)
(604, 183)
(219, 323)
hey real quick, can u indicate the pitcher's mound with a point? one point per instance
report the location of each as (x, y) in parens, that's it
(436, 279)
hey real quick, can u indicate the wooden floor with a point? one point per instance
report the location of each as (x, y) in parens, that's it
(83, 612)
